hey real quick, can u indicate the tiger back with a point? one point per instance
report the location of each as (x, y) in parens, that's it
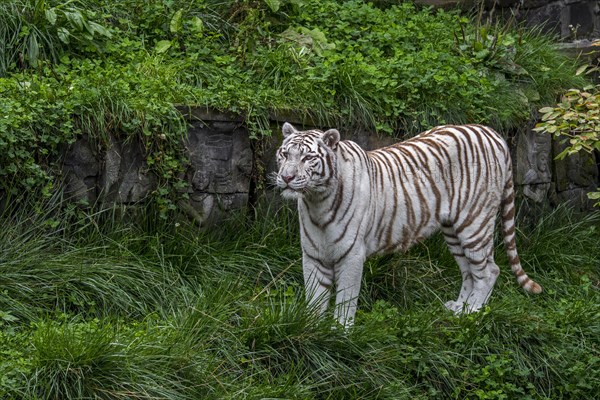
(354, 203)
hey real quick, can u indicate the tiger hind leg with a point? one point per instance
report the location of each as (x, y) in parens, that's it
(465, 270)
(473, 251)
(484, 273)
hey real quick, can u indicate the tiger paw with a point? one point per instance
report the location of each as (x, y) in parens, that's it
(454, 306)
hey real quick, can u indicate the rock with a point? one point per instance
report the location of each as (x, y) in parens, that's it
(575, 176)
(125, 178)
(81, 170)
(532, 172)
(570, 19)
(221, 164)
(209, 209)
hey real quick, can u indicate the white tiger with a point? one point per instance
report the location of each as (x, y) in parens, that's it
(353, 203)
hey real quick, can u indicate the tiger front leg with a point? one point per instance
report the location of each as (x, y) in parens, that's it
(348, 280)
(318, 280)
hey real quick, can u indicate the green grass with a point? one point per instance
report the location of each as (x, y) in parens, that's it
(95, 307)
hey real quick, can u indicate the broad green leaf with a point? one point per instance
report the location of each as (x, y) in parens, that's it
(162, 46)
(176, 24)
(97, 28)
(75, 18)
(273, 4)
(63, 35)
(51, 16)
(197, 25)
(481, 54)
(8, 317)
(33, 50)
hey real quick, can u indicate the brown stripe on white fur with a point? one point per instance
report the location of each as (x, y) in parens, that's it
(508, 231)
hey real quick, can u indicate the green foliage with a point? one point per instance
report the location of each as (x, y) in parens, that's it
(96, 307)
(576, 119)
(122, 65)
(31, 131)
(101, 100)
(91, 306)
(32, 31)
(15, 361)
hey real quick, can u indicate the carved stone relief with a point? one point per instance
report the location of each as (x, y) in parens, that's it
(533, 171)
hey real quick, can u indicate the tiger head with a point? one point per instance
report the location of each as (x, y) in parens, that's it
(307, 162)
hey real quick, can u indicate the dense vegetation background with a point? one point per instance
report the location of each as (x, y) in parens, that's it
(94, 305)
(100, 68)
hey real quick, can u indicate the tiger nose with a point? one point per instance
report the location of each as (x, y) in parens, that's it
(287, 178)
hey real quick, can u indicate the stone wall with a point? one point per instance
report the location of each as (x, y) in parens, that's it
(221, 165)
(219, 174)
(542, 180)
(569, 19)
(222, 177)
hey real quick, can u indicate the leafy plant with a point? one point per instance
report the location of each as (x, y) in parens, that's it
(33, 31)
(310, 59)
(101, 100)
(15, 363)
(576, 120)
(35, 122)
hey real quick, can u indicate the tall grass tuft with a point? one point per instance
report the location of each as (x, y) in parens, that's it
(36, 31)
(122, 305)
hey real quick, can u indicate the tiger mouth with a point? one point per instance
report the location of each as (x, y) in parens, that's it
(294, 187)
(292, 193)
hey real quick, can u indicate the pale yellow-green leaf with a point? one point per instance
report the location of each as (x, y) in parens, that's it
(581, 69)
(197, 25)
(176, 24)
(273, 4)
(162, 46)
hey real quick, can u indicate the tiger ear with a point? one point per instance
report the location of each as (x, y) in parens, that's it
(331, 138)
(288, 129)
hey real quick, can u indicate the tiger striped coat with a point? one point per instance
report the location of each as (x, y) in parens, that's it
(353, 203)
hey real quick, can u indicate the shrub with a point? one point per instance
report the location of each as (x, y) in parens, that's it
(413, 68)
(576, 120)
(33, 31)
